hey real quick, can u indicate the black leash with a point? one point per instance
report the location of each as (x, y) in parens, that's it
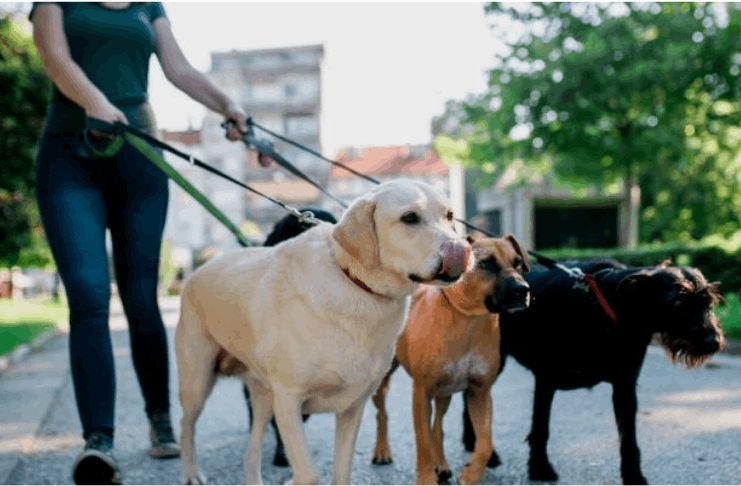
(266, 148)
(542, 259)
(117, 129)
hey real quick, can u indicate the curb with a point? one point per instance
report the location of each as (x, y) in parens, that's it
(17, 355)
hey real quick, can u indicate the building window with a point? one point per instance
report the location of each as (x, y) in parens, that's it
(224, 64)
(265, 92)
(301, 125)
(265, 61)
(303, 59)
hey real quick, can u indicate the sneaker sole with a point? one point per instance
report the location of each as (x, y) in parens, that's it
(158, 453)
(94, 467)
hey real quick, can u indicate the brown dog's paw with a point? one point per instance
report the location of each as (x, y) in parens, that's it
(470, 474)
(443, 477)
(382, 456)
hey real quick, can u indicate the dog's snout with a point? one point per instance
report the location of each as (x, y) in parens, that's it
(454, 257)
(520, 289)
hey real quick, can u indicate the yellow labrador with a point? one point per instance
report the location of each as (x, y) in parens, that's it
(313, 322)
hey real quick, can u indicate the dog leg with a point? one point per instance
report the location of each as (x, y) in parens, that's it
(263, 407)
(480, 410)
(196, 357)
(422, 412)
(382, 453)
(246, 392)
(347, 424)
(469, 436)
(539, 468)
(287, 409)
(625, 405)
(442, 469)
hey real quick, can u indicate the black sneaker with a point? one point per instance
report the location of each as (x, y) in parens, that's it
(164, 445)
(96, 464)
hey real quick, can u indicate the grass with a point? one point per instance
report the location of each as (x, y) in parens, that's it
(21, 321)
(729, 313)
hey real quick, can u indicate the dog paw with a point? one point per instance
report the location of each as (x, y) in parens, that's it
(494, 460)
(382, 456)
(469, 476)
(443, 476)
(636, 478)
(542, 472)
(280, 460)
(195, 479)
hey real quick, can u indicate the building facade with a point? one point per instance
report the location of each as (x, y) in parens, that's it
(281, 89)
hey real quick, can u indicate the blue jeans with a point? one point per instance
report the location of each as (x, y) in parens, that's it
(78, 199)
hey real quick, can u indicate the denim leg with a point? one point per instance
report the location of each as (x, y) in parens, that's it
(137, 210)
(70, 194)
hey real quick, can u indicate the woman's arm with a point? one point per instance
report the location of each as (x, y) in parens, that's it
(185, 77)
(67, 76)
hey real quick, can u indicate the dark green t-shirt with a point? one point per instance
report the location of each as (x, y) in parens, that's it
(113, 48)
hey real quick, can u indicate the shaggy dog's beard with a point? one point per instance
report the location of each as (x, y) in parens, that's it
(685, 352)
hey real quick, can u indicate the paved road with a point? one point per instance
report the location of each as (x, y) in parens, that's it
(689, 428)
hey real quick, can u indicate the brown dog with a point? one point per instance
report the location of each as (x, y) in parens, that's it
(451, 344)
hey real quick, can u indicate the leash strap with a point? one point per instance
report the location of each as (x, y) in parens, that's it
(265, 147)
(601, 297)
(173, 174)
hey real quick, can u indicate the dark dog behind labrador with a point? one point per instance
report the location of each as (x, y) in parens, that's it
(286, 228)
(567, 340)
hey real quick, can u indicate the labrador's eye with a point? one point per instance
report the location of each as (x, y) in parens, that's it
(410, 218)
(449, 215)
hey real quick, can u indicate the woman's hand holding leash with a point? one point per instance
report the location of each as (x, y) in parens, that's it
(236, 123)
(105, 111)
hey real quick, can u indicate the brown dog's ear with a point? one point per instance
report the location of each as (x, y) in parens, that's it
(356, 233)
(520, 251)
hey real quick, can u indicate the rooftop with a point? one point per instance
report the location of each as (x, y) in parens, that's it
(378, 161)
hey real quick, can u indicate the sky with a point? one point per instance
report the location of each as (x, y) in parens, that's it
(389, 67)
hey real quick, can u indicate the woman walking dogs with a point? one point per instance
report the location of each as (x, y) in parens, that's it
(97, 55)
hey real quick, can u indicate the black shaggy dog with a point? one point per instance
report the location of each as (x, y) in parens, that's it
(568, 341)
(286, 228)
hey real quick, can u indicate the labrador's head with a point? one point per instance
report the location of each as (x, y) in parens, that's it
(405, 227)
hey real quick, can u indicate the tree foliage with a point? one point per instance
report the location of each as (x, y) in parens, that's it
(609, 93)
(23, 101)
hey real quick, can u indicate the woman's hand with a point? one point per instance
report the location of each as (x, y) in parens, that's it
(105, 111)
(235, 131)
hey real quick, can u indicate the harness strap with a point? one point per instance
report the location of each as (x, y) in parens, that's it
(601, 297)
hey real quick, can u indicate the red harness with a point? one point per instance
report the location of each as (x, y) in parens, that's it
(601, 297)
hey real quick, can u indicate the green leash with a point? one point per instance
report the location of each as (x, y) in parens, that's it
(160, 162)
(115, 145)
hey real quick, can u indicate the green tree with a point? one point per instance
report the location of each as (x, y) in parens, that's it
(610, 94)
(23, 100)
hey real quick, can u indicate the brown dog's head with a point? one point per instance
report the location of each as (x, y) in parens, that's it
(679, 303)
(497, 276)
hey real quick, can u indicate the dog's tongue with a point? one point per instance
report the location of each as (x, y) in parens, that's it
(455, 258)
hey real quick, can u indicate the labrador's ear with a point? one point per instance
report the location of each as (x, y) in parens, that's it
(520, 251)
(356, 233)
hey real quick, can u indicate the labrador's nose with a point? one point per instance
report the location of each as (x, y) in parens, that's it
(454, 256)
